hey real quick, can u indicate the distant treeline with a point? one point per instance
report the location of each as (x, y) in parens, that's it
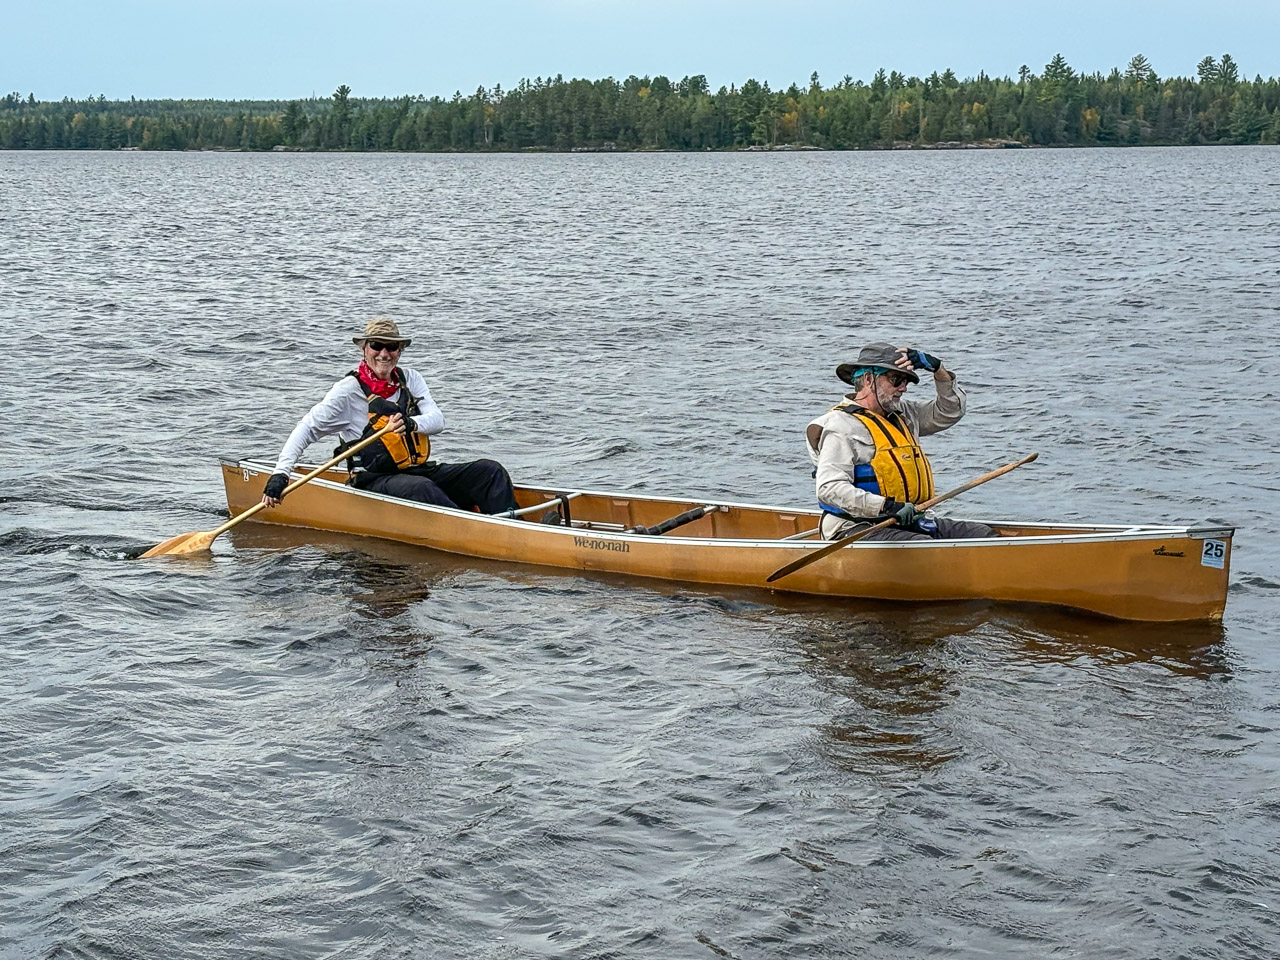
(1056, 107)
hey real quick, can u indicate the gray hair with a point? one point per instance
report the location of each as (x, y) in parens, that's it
(862, 378)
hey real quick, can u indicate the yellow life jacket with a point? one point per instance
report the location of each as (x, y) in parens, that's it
(393, 452)
(899, 469)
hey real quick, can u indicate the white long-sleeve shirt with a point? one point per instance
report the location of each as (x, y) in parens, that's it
(344, 411)
(837, 442)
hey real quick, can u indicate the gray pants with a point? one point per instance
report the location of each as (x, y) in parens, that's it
(833, 528)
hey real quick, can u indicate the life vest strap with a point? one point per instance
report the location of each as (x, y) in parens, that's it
(836, 511)
(394, 452)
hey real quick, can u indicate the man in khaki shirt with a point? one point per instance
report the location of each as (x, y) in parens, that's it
(868, 463)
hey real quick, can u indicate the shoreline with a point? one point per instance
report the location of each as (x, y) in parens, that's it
(899, 146)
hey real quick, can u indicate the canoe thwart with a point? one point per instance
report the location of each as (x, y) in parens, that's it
(679, 520)
(803, 534)
(560, 501)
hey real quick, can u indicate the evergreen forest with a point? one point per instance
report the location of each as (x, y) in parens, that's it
(1056, 107)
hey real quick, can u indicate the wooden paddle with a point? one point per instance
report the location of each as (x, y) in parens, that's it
(835, 545)
(200, 540)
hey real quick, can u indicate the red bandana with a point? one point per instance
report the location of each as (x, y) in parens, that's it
(369, 380)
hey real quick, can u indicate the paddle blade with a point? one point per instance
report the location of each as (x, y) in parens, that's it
(181, 544)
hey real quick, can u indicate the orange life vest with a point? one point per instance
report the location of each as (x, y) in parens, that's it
(899, 469)
(394, 452)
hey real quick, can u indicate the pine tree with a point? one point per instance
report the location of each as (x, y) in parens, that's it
(1247, 120)
(293, 124)
(1057, 69)
(1139, 70)
(1228, 71)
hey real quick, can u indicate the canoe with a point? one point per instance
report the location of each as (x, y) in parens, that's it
(1157, 573)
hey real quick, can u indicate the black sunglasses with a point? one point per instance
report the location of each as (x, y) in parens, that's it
(897, 379)
(377, 346)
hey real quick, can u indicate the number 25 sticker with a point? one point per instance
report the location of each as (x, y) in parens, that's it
(1213, 553)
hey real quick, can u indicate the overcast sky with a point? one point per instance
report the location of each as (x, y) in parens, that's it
(235, 49)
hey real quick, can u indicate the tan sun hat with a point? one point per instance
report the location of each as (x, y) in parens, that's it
(381, 328)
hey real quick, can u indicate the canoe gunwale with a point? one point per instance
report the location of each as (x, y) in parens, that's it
(1088, 533)
(1209, 533)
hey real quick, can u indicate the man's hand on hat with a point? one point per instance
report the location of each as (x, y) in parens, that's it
(919, 360)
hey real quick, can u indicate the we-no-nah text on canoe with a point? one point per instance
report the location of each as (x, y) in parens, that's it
(593, 544)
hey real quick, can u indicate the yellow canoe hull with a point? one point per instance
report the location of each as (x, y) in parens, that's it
(1133, 573)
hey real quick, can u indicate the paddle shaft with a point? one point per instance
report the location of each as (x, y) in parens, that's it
(354, 448)
(835, 545)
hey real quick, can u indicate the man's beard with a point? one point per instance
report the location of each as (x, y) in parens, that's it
(891, 404)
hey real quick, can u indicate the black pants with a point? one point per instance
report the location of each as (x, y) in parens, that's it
(947, 530)
(479, 483)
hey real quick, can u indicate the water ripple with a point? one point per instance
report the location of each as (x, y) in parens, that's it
(311, 745)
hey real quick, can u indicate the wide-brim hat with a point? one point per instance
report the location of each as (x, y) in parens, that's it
(381, 328)
(875, 356)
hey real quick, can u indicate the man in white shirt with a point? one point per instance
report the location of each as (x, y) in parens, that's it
(381, 393)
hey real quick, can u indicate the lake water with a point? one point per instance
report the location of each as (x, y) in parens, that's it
(316, 746)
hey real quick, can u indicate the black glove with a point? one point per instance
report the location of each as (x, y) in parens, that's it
(275, 486)
(904, 513)
(923, 361)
